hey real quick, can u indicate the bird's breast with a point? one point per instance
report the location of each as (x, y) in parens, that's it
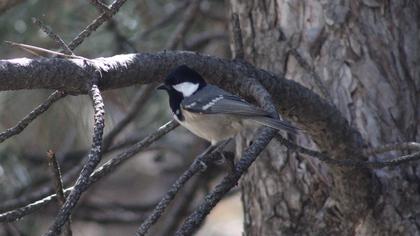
(212, 127)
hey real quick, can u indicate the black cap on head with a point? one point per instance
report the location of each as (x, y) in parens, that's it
(183, 74)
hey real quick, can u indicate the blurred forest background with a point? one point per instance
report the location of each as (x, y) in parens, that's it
(361, 57)
(118, 204)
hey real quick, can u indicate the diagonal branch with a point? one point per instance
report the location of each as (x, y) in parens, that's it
(94, 158)
(58, 182)
(166, 19)
(355, 163)
(195, 219)
(238, 45)
(113, 9)
(21, 125)
(53, 36)
(139, 101)
(196, 166)
(185, 24)
(7, 4)
(103, 171)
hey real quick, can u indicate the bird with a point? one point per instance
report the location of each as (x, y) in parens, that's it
(211, 112)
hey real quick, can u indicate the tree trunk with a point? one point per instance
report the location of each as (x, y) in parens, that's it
(364, 57)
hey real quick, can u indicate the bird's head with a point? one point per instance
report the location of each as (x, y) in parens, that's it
(183, 81)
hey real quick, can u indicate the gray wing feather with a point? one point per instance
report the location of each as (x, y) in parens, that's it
(213, 100)
(275, 124)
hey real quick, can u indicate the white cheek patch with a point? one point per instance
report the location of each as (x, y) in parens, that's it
(186, 88)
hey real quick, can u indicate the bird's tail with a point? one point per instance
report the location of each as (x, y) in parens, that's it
(276, 124)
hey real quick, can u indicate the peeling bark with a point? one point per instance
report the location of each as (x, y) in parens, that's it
(366, 54)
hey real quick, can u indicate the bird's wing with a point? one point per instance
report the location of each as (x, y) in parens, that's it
(214, 100)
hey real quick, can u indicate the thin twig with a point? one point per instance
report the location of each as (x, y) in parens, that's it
(94, 158)
(140, 100)
(21, 125)
(182, 205)
(106, 169)
(164, 20)
(22, 200)
(184, 25)
(238, 52)
(195, 167)
(60, 42)
(96, 23)
(123, 43)
(34, 50)
(102, 7)
(58, 183)
(353, 163)
(202, 39)
(393, 147)
(7, 4)
(195, 219)
(306, 66)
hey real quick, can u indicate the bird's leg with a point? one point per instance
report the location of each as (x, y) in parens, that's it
(218, 146)
(199, 158)
(230, 160)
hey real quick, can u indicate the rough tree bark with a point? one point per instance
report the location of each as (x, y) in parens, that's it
(366, 54)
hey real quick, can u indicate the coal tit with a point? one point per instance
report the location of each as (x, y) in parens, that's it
(209, 111)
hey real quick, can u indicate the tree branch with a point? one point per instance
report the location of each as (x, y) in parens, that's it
(113, 9)
(194, 220)
(60, 42)
(164, 20)
(238, 45)
(354, 163)
(94, 158)
(55, 169)
(329, 128)
(101, 172)
(184, 25)
(7, 4)
(196, 166)
(139, 101)
(21, 125)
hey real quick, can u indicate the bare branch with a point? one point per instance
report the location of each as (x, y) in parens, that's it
(184, 25)
(60, 42)
(196, 166)
(94, 158)
(238, 45)
(7, 4)
(164, 20)
(115, 6)
(21, 125)
(292, 100)
(102, 7)
(38, 50)
(140, 100)
(58, 183)
(194, 220)
(354, 163)
(309, 69)
(106, 169)
(393, 147)
(200, 40)
(55, 169)
(181, 206)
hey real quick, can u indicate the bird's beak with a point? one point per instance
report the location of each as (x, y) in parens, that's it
(162, 87)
